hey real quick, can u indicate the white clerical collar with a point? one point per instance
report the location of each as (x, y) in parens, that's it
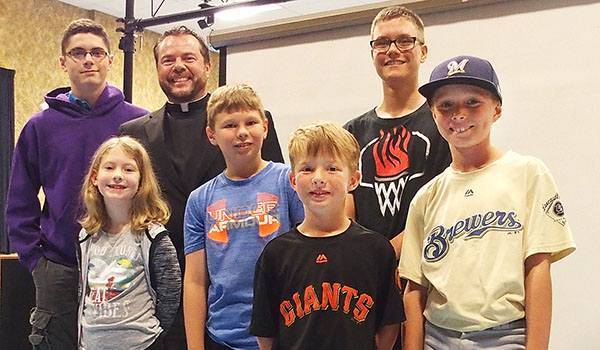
(185, 106)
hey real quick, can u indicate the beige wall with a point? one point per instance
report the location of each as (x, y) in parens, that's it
(30, 35)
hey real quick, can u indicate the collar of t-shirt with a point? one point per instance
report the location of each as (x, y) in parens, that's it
(76, 100)
(187, 106)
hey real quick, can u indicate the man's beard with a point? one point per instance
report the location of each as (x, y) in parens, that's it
(182, 96)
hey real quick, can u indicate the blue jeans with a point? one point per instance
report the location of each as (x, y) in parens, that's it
(509, 336)
(54, 318)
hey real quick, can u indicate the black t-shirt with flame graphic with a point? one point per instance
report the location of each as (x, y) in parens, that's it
(398, 156)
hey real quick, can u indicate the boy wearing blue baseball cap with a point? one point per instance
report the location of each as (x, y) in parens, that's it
(481, 236)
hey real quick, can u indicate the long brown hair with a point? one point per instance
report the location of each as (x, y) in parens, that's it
(148, 205)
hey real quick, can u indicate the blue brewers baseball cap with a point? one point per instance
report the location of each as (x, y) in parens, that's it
(467, 70)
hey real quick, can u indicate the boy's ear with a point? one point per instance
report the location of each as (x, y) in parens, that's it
(63, 63)
(111, 58)
(293, 180)
(498, 109)
(424, 52)
(266, 127)
(354, 181)
(211, 136)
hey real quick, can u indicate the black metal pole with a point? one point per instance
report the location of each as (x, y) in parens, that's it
(127, 44)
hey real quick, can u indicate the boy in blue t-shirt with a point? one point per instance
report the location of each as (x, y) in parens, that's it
(229, 220)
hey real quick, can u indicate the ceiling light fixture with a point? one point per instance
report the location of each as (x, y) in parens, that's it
(245, 12)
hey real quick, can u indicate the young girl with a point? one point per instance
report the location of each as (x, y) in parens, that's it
(130, 281)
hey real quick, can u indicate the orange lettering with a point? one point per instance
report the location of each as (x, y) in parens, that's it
(351, 293)
(363, 305)
(296, 298)
(330, 297)
(287, 311)
(310, 299)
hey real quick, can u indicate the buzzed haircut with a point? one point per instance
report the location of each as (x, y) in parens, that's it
(183, 30)
(397, 11)
(233, 98)
(83, 25)
(324, 137)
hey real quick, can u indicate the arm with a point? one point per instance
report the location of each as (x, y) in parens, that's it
(195, 287)
(415, 297)
(397, 244)
(23, 210)
(538, 301)
(166, 280)
(265, 343)
(349, 208)
(386, 336)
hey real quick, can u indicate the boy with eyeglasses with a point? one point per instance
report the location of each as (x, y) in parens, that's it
(401, 149)
(53, 153)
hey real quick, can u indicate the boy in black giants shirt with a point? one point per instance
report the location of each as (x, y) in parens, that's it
(328, 283)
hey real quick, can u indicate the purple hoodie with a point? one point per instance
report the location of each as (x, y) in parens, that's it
(54, 151)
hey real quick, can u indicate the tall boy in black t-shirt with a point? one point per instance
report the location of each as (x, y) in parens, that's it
(401, 148)
(328, 283)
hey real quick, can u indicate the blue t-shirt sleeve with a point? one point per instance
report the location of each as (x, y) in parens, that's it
(194, 236)
(295, 206)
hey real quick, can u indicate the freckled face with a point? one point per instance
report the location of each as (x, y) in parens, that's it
(322, 182)
(464, 114)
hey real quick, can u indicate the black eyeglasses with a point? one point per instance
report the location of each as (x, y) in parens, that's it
(79, 54)
(402, 43)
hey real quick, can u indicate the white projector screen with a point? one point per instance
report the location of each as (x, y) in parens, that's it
(547, 55)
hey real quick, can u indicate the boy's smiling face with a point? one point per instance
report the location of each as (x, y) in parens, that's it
(464, 114)
(394, 64)
(322, 182)
(239, 135)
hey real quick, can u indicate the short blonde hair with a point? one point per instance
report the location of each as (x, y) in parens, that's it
(323, 137)
(148, 205)
(397, 11)
(233, 98)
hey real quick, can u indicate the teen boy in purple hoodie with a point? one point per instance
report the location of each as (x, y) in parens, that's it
(53, 152)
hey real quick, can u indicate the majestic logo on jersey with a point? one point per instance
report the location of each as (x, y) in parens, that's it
(355, 304)
(256, 215)
(393, 169)
(469, 193)
(321, 259)
(554, 209)
(476, 226)
(457, 67)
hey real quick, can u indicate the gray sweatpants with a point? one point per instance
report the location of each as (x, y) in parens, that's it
(509, 336)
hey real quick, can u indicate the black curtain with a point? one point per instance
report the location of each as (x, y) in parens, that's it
(7, 142)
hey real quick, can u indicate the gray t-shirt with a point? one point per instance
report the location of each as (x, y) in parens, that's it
(118, 312)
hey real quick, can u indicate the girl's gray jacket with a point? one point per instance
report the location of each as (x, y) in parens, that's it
(161, 267)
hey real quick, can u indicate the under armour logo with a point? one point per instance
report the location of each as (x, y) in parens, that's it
(321, 259)
(469, 193)
(254, 215)
(455, 68)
